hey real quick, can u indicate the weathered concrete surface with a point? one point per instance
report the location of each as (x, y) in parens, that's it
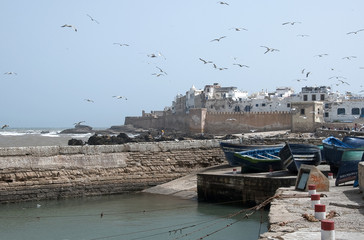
(286, 220)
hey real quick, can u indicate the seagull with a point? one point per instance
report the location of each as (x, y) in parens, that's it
(162, 70)
(223, 3)
(349, 57)
(222, 68)
(303, 35)
(308, 73)
(204, 61)
(78, 123)
(89, 100)
(70, 26)
(270, 49)
(241, 65)
(10, 73)
(321, 55)
(343, 82)
(355, 32)
(121, 44)
(239, 29)
(119, 97)
(158, 74)
(92, 19)
(300, 80)
(292, 23)
(4, 126)
(218, 39)
(337, 77)
(253, 130)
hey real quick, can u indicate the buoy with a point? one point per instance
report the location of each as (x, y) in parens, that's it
(311, 189)
(315, 199)
(327, 230)
(331, 175)
(320, 211)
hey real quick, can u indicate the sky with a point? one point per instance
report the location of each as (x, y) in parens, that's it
(49, 72)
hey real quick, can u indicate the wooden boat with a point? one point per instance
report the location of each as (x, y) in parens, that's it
(230, 148)
(356, 142)
(259, 160)
(293, 155)
(348, 169)
(333, 149)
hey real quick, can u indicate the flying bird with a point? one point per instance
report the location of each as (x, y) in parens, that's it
(204, 61)
(10, 73)
(4, 126)
(292, 23)
(355, 32)
(270, 49)
(93, 19)
(161, 70)
(308, 73)
(321, 55)
(69, 26)
(343, 82)
(78, 123)
(349, 57)
(238, 29)
(89, 100)
(337, 77)
(300, 80)
(218, 39)
(223, 3)
(303, 35)
(121, 44)
(241, 65)
(119, 97)
(158, 74)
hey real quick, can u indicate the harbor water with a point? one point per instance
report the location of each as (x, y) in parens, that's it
(126, 216)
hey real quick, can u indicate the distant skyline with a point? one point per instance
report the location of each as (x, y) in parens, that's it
(64, 62)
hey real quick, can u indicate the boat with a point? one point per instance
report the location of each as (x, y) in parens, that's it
(348, 169)
(333, 149)
(230, 148)
(293, 155)
(354, 141)
(259, 160)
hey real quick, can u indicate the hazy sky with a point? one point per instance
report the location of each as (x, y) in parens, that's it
(58, 68)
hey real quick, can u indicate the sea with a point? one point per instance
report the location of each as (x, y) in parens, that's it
(129, 216)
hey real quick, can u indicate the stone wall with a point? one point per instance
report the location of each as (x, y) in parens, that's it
(36, 173)
(361, 177)
(200, 121)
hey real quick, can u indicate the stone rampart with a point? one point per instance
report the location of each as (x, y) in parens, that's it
(54, 172)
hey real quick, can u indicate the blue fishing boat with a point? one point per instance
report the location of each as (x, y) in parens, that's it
(334, 148)
(259, 160)
(230, 148)
(354, 141)
(293, 155)
(348, 169)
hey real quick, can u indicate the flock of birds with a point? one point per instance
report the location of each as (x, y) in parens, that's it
(160, 72)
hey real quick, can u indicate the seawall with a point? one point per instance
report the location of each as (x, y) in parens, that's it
(55, 172)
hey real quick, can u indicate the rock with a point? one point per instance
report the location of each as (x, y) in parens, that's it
(75, 142)
(78, 129)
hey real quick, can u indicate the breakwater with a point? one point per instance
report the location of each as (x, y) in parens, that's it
(55, 172)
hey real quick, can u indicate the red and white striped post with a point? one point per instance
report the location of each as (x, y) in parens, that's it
(234, 171)
(330, 175)
(315, 199)
(320, 211)
(311, 189)
(327, 230)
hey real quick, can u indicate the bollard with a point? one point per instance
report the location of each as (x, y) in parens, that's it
(234, 171)
(327, 230)
(320, 211)
(311, 189)
(331, 175)
(315, 199)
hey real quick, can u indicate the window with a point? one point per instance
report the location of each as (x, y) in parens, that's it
(341, 111)
(355, 111)
(322, 97)
(362, 111)
(326, 114)
(288, 105)
(327, 105)
(304, 97)
(313, 97)
(256, 105)
(302, 111)
(263, 104)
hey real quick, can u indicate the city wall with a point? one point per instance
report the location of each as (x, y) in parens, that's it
(55, 172)
(201, 121)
